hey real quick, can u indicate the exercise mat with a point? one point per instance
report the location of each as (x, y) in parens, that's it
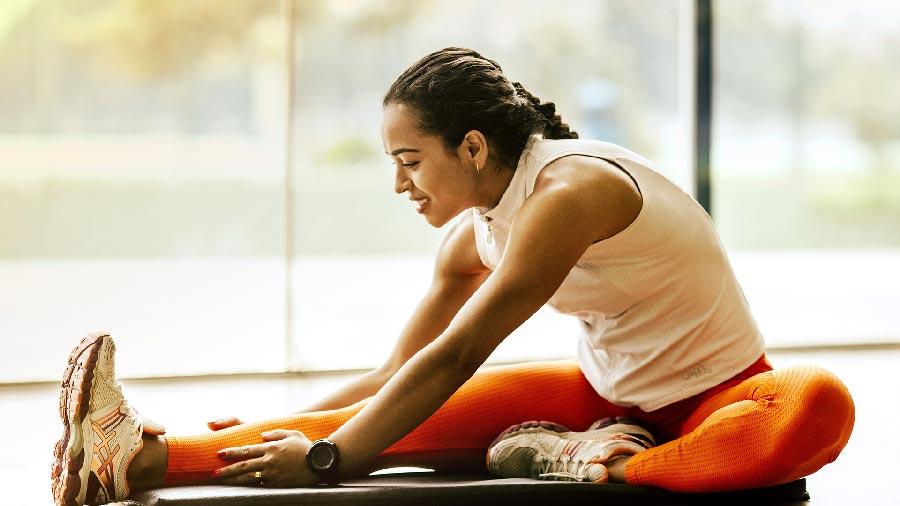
(434, 489)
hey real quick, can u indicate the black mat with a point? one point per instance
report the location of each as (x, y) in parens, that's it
(468, 490)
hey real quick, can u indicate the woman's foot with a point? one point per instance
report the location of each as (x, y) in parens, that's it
(548, 451)
(101, 433)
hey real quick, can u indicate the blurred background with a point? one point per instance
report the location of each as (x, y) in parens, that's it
(206, 181)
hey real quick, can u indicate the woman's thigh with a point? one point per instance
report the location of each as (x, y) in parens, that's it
(498, 397)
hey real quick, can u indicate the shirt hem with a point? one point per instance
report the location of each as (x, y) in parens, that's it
(713, 382)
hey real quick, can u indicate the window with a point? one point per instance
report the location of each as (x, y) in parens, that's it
(363, 258)
(806, 165)
(208, 183)
(141, 171)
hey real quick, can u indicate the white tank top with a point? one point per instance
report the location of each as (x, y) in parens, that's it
(663, 317)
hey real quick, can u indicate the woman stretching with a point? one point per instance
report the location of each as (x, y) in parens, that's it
(669, 354)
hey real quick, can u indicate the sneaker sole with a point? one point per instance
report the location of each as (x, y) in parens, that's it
(71, 466)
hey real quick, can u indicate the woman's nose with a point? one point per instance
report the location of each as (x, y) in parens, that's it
(401, 181)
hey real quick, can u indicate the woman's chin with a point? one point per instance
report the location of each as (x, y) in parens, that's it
(434, 223)
(435, 220)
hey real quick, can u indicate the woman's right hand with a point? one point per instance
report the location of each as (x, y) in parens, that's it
(224, 423)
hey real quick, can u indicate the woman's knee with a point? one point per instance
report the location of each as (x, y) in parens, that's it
(821, 391)
(821, 409)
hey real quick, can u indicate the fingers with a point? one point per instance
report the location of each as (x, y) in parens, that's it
(258, 450)
(617, 447)
(243, 452)
(224, 423)
(276, 461)
(275, 435)
(153, 428)
(247, 473)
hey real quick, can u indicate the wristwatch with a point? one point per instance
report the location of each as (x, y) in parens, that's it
(323, 457)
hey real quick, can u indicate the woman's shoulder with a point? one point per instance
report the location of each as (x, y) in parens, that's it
(584, 171)
(458, 254)
(595, 186)
(585, 163)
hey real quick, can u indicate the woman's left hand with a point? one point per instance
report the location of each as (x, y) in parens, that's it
(279, 462)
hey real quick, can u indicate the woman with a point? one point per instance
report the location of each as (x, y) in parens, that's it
(545, 218)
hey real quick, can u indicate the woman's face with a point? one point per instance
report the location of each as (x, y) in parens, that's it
(439, 183)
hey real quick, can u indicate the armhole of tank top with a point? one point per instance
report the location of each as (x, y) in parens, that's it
(637, 185)
(625, 171)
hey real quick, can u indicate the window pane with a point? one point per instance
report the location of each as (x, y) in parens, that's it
(141, 184)
(363, 256)
(807, 164)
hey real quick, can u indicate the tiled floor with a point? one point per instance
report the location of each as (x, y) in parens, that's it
(865, 474)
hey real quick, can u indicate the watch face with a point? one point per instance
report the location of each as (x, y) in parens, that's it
(321, 456)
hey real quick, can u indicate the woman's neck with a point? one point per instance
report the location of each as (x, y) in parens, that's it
(495, 181)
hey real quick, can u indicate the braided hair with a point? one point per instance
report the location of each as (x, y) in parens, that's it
(456, 90)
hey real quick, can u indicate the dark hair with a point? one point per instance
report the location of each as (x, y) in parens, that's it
(456, 90)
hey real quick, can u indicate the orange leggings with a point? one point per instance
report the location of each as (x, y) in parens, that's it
(760, 428)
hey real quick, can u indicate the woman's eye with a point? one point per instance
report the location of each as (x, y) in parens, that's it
(401, 163)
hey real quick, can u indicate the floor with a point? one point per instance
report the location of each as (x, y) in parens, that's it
(863, 475)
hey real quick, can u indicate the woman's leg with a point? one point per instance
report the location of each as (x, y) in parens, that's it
(773, 428)
(455, 437)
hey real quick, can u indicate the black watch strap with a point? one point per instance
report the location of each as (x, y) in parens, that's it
(323, 458)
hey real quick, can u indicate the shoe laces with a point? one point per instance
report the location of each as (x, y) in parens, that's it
(564, 467)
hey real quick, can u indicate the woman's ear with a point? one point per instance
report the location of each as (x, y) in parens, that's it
(474, 149)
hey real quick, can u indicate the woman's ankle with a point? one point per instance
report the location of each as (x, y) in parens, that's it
(616, 468)
(148, 469)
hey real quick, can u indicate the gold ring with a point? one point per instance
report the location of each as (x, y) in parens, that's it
(258, 475)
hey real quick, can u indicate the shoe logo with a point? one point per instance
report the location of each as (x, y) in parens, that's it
(104, 453)
(638, 439)
(572, 447)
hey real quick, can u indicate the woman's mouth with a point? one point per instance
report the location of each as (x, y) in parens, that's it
(421, 203)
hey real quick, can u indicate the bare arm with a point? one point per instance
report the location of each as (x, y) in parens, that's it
(554, 227)
(569, 210)
(458, 273)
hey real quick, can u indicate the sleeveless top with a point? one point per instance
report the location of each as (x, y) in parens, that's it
(662, 315)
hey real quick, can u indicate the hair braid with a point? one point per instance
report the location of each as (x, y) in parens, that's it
(554, 127)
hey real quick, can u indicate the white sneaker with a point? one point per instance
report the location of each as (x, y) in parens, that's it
(548, 451)
(102, 433)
